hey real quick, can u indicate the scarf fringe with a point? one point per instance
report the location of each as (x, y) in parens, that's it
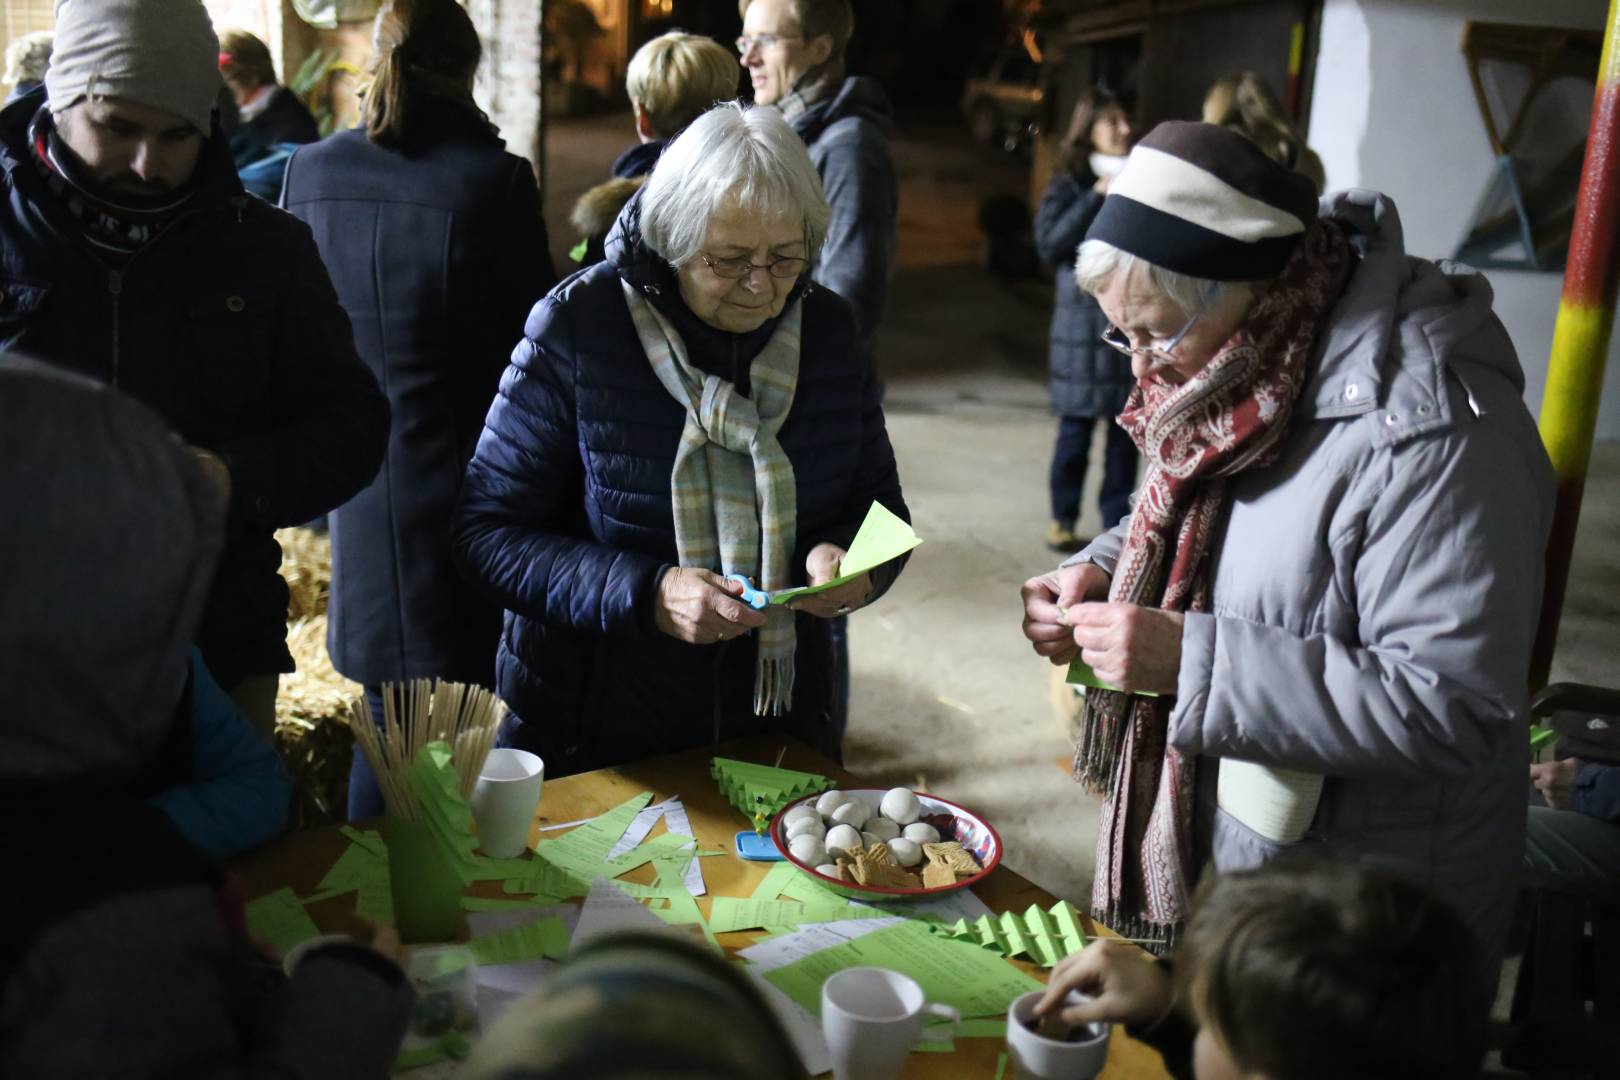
(773, 687)
(1158, 938)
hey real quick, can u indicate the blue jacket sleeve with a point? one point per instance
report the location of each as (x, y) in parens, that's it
(1596, 792)
(1066, 212)
(520, 530)
(238, 793)
(857, 257)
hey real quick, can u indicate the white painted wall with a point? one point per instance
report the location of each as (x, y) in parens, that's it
(1393, 110)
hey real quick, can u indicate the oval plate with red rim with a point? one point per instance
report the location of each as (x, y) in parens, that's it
(953, 822)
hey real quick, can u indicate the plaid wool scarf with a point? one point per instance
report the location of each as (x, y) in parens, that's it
(1229, 417)
(736, 505)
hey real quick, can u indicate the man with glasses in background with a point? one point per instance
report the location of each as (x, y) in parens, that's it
(794, 53)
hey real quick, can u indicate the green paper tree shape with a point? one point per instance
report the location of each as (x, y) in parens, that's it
(432, 779)
(760, 791)
(1044, 937)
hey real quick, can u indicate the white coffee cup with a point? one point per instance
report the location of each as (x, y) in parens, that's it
(505, 799)
(872, 1018)
(1039, 1058)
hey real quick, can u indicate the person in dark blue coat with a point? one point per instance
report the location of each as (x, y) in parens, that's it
(690, 408)
(433, 236)
(1089, 379)
(271, 121)
(129, 253)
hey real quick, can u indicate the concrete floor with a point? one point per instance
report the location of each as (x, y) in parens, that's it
(947, 694)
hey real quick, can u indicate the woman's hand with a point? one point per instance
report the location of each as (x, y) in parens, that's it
(821, 566)
(1125, 986)
(1046, 601)
(701, 607)
(1555, 780)
(1129, 646)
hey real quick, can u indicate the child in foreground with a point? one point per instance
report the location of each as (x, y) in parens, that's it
(1297, 970)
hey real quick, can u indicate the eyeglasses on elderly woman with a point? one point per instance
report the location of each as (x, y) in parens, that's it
(741, 268)
(1115, 338)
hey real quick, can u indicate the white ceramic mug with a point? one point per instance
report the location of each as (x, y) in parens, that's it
(1039, 1058)
(872, 1018)
(505, 799)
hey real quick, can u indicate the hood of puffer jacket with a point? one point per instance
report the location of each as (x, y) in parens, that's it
(708, 347)
(859, 96)
(1401, 326)
(109, 546)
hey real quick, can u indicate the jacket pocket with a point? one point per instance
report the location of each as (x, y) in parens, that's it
(21, 300)
(1235, 846)
(233, 338)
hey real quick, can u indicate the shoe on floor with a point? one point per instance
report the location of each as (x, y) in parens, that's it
(1061, 537)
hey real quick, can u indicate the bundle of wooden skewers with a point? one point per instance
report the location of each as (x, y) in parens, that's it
(419, 712)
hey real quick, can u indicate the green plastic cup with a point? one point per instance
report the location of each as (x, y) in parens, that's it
(426, 890)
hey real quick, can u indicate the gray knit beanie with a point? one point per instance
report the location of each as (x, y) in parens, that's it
(159, 53)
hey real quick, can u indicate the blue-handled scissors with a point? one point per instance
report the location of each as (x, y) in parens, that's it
(758, 599)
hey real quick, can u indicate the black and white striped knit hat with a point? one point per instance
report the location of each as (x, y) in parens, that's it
(1204, 201)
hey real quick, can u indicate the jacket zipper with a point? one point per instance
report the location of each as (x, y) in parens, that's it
(115, 285)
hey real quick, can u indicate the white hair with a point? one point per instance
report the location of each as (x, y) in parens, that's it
(732, 155)
(1099, 262)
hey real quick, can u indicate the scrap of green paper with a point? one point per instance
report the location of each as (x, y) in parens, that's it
(657, 848)
(1001, 1067)
(546, 937)
(1044, 937)
(453, 1046)
(683, 906)
(362, 867)
(371, 839)
(759, 791)
(1540, 737)
(727, 914)
(777, 879)
(1080, 672)
(580, 852)
(985, 1028)
(376, 900)
(432, 779)
(971, 980)
(280, 918)
(882, 536)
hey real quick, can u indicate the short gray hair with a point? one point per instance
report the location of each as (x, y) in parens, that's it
(732, 154)
(1099, 262)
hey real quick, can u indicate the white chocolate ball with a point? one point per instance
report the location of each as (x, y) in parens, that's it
(810, 826)
(869, 838)
(808, 850)
(830, 801)
(805, 811)
(905, 852)
(920, 832)
(830, 869)
(881, 827)
(842, 838)
(855, 812)
(901, 806)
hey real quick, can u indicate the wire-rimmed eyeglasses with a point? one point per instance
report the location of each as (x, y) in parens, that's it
(1115, 338)
(733, 269)
(763, 41)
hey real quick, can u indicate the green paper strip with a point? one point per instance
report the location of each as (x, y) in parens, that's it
(371, 840)
(1001, 1067)
(546, 937)
(1540, 737)
(982, 1029)
(280, 918)
(432, 779)
(1080, 672)
(777, 880)
(1044, 937)
(727, 914)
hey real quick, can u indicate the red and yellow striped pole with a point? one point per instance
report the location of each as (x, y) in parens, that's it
(1569, 408)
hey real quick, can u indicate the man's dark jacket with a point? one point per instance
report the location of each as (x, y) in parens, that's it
(226, 325)
(566, 516)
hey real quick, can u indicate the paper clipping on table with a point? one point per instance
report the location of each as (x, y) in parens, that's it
(673, 811)
(882, 536)
(608, 909)
(1279, 804)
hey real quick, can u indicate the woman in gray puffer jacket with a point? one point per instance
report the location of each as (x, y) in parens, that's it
(1089, 379)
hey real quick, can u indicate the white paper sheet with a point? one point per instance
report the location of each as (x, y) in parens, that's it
(640, 826)
(778, 952)
(961, 904)
(608, 910)
(802, 1028)
(676, 821)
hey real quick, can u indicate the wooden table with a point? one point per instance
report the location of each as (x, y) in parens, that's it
(302, 859)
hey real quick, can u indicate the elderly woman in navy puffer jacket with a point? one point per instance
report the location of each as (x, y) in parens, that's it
(1089, 379)
(692, 407)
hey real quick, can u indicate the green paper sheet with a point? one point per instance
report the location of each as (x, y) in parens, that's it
(803, 887)
(759, 791)
(971, 980)
(548, 881)
(683, 906)
(988, 1028)
(1001, 1067)
(546, 937)
(777, 879)
(728, 913)
(280, 918)
(352, 869)
(376, 900)
(1080, 672)
(362, 867)
(432, 779)
(1540, 737)
(371, 840)
(882, 536)
(1044, 937)
(648, 850)
(580, 852)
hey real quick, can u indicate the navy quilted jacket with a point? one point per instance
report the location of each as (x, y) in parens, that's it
(565, 517)
(1088, 377)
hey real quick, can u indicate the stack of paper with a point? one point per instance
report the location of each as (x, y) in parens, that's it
(759, 791)
(1044, 937)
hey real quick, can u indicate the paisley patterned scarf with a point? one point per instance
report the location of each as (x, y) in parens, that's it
(1229, 417)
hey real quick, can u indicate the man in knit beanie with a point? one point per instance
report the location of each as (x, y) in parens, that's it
(133, 256)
